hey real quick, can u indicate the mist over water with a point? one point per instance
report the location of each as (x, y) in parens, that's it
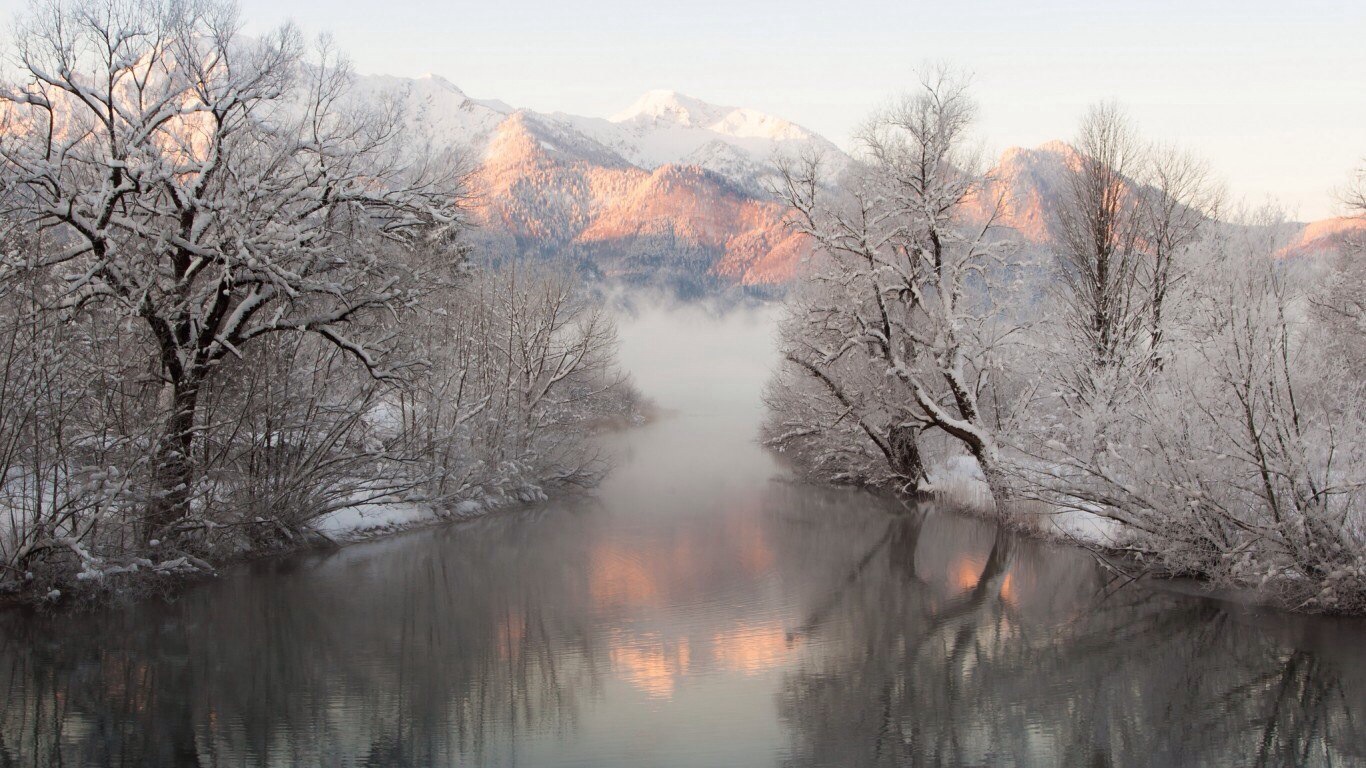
(699, 608)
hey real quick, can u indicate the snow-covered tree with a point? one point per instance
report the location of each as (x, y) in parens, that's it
(519, 363)
(216, 189)
(1178, 199)
(901, 320)
(1193, 389)
(1240, 459)
(1129, 217)
(1101, 218)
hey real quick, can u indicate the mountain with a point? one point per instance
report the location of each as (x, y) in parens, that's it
(665, 127)
(674, 190)
(661, 128)
(1326, 237)
(548, 190)
(1031, 184)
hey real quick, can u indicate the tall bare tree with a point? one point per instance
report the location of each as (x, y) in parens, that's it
(1355, 194)
(1101, 221)
(907, 284)
(1178, 199)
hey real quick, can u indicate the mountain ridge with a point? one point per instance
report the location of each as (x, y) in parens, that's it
(675, 189)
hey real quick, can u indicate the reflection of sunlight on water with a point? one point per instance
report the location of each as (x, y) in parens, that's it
(965, 572)
(653, 572)
(649, 662)
(753, 649)
(746, 535)
(619, 577)
(656, 664)
(511, 630)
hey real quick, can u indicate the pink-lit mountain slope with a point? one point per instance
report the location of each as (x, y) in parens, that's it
(674, 189)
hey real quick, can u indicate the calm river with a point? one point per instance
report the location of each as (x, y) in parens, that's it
(697, 609)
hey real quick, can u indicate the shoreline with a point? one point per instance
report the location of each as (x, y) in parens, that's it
(348, 526)
(964, 493)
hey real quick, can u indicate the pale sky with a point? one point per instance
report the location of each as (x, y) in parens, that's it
(1273, 94)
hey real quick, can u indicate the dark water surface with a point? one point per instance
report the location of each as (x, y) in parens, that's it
(697, 610)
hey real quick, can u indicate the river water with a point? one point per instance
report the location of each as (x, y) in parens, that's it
(698, 609)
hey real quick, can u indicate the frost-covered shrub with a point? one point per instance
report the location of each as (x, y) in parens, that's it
(519, 368)
(1243, 458)
(74, 436)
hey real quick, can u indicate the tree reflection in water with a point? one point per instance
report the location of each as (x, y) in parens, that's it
(854, 631)
(437, 662)
(1036, 660)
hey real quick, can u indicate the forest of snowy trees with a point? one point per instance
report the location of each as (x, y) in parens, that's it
(234, 300)
(1162, 382)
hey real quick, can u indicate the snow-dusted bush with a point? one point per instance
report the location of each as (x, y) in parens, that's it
(519, 367)
(1243, 458)
(74, 430)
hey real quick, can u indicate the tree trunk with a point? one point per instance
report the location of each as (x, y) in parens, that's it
(985, 454)
(174, 472)
(905, 455)
(996, 482)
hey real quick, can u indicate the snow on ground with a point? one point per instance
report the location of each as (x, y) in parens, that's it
(354, 522)
(1083, 526)
(959, 480)
(372, 518)
(369, 519)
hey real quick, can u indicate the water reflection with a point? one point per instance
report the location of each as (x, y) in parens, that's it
(699, 609)
(900, 638)
(968, 647)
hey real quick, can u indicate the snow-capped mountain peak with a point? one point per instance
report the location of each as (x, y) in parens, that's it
(441, 82)
(663, 108)
(670, 107)
(750, 123)
(665, 126)
(662, 127)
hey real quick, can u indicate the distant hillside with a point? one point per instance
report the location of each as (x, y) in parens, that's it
(674, 190)
(1326, 237)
